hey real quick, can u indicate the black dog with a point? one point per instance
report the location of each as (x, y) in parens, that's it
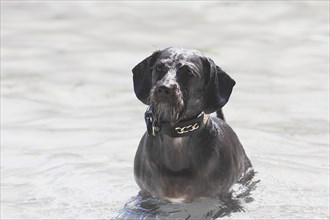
(186, 153)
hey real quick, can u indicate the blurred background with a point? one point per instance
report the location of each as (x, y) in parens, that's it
(70, 121)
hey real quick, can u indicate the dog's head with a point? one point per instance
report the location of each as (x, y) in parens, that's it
(181, 83)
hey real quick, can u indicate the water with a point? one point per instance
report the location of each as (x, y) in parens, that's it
(141, 208)
(70, 122)
(146, 207)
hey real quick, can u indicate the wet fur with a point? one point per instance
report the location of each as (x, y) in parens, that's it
(172, 110)
(206, 164)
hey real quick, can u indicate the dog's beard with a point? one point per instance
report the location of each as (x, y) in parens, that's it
(168, 110)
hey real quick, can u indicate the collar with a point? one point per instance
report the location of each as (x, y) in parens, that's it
(180, 129)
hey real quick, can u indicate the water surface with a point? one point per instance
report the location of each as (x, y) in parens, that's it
(70, 122)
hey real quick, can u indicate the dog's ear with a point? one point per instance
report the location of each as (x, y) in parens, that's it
(142, 77)
(219, 86)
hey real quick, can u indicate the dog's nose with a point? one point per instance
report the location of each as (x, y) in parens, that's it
(164, 90)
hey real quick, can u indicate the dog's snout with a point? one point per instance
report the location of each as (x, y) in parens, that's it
(164, 90)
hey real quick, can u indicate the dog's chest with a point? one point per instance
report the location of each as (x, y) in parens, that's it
(176, 153)
(178, 144)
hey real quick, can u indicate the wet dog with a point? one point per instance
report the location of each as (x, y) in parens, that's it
(186, 153)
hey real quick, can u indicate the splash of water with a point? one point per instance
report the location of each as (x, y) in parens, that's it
(145, 208)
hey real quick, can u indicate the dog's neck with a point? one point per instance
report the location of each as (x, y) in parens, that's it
(181, 128)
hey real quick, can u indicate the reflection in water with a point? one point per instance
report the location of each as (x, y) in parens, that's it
(143, 207)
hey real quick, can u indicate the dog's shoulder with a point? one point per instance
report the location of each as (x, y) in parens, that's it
(216, 124)
(220, 129)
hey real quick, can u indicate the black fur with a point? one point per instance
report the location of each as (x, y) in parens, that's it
(180, 84)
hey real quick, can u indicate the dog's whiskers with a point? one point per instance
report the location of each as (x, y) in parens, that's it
(167, 112)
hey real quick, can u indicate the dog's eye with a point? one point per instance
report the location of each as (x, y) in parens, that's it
(185, 70)
(159, 69)
(190, 73)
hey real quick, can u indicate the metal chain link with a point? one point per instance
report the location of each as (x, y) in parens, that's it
(187, 129)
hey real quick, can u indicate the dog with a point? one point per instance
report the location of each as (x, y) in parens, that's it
(186, 153)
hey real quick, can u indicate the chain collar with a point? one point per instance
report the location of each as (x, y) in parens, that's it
(179, 129)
